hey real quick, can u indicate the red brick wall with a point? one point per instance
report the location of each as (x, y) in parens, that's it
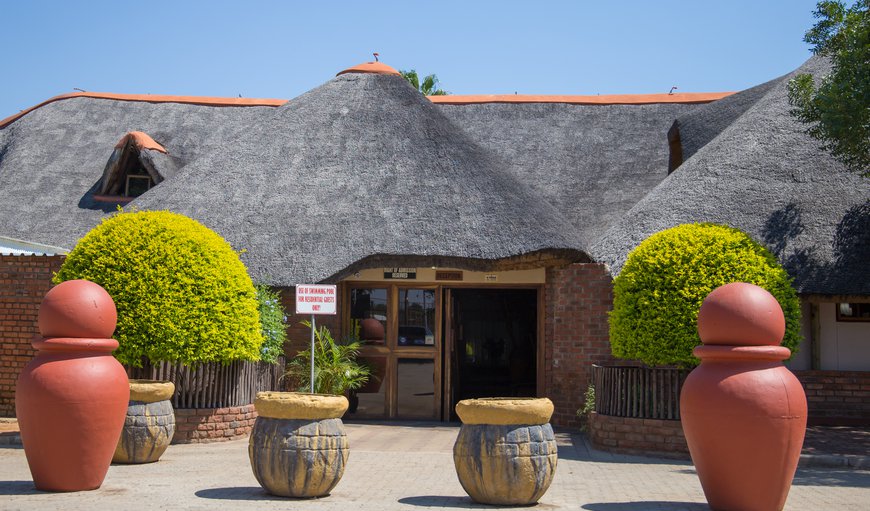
(638, 436)
(837, 397)
(24, 280)
(202, 425)
(578, 298)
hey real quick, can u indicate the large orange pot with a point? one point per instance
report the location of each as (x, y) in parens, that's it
(743, 413)
(71, 399)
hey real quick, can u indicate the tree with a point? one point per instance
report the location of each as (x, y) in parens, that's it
(839, 109)
(657, 295)
(429, 86)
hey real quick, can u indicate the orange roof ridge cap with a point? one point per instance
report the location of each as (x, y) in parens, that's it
(607, 99)
(376, 67)
(150, 98)
(142, 141)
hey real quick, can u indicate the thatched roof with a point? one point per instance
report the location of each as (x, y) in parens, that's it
(591, 162)
(52, 158)
(362, 166)
(701, 125)
(364, 172)
(764, 175)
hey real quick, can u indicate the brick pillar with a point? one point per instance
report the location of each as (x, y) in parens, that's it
(576, 334)
(24, 280)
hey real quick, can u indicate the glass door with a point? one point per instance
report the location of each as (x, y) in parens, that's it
(399, 327)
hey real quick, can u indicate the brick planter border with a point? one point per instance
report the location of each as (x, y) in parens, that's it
(204, 425)
(643, 437)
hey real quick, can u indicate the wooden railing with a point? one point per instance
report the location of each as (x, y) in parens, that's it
(638, 392)
(214, 385)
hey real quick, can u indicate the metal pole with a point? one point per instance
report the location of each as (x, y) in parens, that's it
(312, 353)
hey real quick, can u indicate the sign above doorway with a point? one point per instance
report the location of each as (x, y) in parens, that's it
(448, 275)
(400, 273)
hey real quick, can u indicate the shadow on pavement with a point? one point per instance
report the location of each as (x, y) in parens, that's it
(646, 506)
(820, 477)
(832, 477)
(18, 488)
(450, 501)
(575, 446)
(241, 493)
(419, 424)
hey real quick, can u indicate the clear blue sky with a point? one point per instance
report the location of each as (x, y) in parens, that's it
(282, 49)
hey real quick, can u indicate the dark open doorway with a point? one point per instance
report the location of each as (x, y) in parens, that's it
(494, 343)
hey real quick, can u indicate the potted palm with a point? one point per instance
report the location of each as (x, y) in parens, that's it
(336, 368)
(298, 447)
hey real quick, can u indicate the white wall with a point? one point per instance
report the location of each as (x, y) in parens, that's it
(844, 346)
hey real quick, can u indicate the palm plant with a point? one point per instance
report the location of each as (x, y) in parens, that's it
(428, 87)
(336, 368)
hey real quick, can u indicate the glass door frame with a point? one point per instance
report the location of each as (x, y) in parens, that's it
(391, 350)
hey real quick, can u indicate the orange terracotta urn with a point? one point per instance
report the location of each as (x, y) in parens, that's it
(71, 399)
(744, 414)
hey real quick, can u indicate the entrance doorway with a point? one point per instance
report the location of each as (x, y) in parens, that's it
(492, 340)
(430, 345)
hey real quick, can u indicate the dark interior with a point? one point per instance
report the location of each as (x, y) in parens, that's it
(495, 333)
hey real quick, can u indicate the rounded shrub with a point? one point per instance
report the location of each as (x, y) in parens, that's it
(181, 291)
(659, 291)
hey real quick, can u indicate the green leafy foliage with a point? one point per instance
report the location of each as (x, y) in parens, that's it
(336, 368)
(273, 320)
(428, 87)
(181, 291)
(838, 110)
(588, 407)
(659, 291)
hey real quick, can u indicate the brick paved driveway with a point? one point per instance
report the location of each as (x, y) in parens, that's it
(406, 467)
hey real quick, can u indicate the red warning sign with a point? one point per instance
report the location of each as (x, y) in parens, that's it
(316, 299)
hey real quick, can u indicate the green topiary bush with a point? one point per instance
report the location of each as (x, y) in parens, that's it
(659, 291)
(182, 293)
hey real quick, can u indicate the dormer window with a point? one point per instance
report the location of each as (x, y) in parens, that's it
(137, 185)
(130, 171)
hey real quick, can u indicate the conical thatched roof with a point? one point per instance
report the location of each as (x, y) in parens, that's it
(764, 175)
(362, 166)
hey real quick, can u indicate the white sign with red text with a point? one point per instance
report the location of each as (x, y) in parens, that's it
(316, 299)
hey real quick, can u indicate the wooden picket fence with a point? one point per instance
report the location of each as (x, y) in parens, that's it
(638, 392)
(214, 385)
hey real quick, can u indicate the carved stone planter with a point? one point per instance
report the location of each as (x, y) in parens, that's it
(744, 413)
(505, 453)
(298, 447)
(150, 422)
(70, 399)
